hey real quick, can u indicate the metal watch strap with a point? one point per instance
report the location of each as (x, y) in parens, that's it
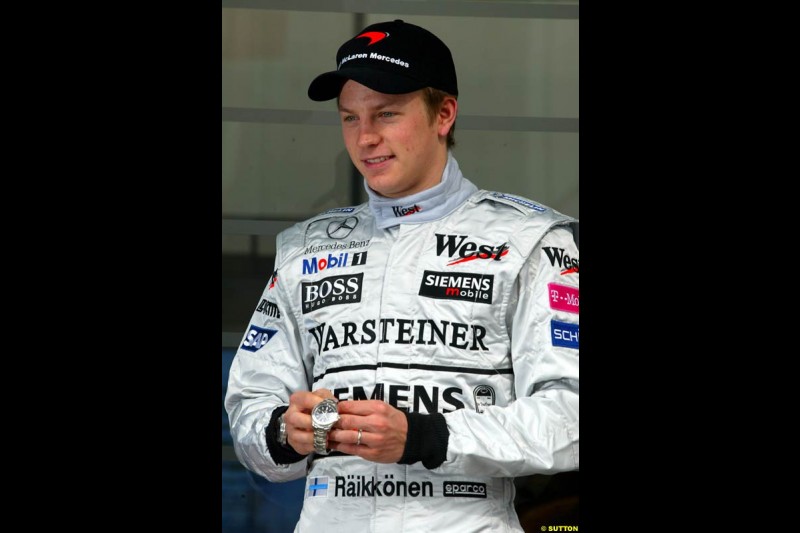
(282, 436)
(321, 441)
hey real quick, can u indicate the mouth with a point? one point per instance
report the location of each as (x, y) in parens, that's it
(375, 161)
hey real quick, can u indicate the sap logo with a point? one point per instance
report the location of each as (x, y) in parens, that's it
(257, 337)
(564, 334)
(467, 251)
(269, 308)
(463, 489)
(457, 286)
(557, 256)
(334, 290)
(317, 486)
(405, 211)
(315, 265)
(563, 298)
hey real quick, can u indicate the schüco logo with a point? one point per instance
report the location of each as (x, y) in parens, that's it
(557, 256)
(458, 246)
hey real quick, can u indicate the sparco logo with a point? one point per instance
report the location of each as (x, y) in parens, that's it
(405, 211)
(341, 228)
(467, 251)
(318, 264)
(333, 290)
(457, 286)
(557, 256)
(464, 489)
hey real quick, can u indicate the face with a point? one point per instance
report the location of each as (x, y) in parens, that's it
(391, 139)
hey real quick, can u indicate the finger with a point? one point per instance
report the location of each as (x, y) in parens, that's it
(348, 436)
(362, 407)
(323, 393)
(304, 400)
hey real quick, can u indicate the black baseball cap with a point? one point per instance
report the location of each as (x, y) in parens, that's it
(389, 57)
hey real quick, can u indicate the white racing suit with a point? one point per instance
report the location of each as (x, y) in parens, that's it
(471, 313)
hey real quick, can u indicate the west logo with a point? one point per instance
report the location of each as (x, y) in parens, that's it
(269, 308)
(405, 211)
(557, 256)
(457, 286)
(315, 265)
(563, 298)
(257, 337)
(333, 290)
(458, 246)
(564, 334)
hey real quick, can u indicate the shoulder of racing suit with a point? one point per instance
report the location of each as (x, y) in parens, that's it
(297, 238)
(528, 208)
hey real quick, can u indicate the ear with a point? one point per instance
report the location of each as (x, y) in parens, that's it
(447, 115)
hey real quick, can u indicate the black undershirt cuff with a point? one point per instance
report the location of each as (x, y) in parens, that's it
(282, 455)
(426, 440)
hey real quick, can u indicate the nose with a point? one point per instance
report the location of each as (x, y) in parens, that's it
(367, 135)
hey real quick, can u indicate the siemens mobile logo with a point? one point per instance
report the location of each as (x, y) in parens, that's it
(333, 290)
(564, 334)
(457, 286)
(318, 264)
(257, 337)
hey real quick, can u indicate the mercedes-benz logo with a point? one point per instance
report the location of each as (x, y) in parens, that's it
(341, 228)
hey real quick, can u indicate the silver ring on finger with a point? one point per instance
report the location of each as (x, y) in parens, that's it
(358, 440)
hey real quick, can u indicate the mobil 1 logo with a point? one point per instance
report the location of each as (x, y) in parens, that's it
(333, 290)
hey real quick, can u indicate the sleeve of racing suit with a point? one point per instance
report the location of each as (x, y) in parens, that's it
(537, 432)
(268, 366)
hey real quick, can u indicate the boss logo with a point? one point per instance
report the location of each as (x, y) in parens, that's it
(334, 290)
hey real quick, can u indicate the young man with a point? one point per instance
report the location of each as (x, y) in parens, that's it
(438, 322)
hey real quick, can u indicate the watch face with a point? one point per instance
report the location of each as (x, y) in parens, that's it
(325, 413)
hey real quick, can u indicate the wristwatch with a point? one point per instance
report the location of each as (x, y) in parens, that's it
(282, 436)
(323, 416)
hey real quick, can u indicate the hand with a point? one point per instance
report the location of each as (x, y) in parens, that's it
(299, 433)
(383, 430)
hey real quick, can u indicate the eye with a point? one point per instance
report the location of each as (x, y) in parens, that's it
(348, 118)
(386, 114)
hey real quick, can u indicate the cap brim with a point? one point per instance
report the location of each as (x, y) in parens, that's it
(328, 85)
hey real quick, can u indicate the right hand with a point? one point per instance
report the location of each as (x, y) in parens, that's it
(299, 433)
